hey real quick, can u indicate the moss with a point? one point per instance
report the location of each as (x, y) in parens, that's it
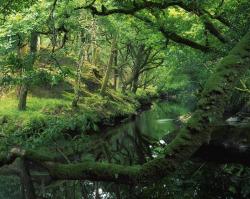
(95, 171)
(189, 139)
(41, 155)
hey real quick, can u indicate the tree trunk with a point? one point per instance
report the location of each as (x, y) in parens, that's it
(135, 83)
(109, 67)
(78, 78)
(23, 93)
(93, 42)
(189, 139)
(141, 56)
(116, 74)
(24, 87)
(33, 44)
(26, 180)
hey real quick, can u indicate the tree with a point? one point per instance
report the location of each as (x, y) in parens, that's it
(189, 139)
(204, 38)
(23, 93)
(109, 66)
(144, 59)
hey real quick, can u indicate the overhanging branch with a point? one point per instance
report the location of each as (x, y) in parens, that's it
(138, 6)
(190, 138)
(182, 40)
(205, 17)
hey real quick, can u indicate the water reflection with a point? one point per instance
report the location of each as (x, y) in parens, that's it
(128, 143)
(132, 142)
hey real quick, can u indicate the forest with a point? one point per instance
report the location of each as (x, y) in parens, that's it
(124, 99)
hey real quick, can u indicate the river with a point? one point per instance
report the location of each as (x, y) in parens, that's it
(132, 142)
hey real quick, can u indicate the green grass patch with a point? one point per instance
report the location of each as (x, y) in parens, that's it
(36, 107)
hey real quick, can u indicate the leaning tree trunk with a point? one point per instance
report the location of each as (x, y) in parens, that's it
(210, 109)
(189, 139)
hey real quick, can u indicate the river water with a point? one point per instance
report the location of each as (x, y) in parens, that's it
(131, 142)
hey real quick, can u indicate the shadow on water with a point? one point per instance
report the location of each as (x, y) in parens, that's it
(127, 143)
(133, 140)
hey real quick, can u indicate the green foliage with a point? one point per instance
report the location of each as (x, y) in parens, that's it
(10, 187)
(70, 63)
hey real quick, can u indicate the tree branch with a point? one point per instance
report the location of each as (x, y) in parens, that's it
(194, 8)
(182, 40)
(204, 15)
(177, 38)
(135, 8)
(197, 131)
(190, 138)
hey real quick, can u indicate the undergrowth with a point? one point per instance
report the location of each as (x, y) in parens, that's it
(48, 120)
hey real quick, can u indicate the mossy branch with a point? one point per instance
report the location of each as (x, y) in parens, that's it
(190, 138)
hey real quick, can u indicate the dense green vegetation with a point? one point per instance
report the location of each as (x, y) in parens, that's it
(124, 99)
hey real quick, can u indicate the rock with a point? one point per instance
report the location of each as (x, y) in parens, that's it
(233, 121)
(185, 118)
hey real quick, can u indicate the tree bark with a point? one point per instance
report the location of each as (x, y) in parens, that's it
(189, 139)
(197, 131)
(23, 93)
(27, 183)
(109, 67)
(77, 86)
(116, 73)
(135, 83)
(24, 87)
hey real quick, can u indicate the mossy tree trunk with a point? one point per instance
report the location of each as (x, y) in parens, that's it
(23, 93)
(94, 51)
(135, 83)
(116, 73)
(77, 85)
(189, 139)
(26, 181)
(140, 56)
(109, 66)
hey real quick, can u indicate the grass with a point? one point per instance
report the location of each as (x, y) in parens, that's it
(113, 105)
(36, 107)
(48, 119)
(41, 107)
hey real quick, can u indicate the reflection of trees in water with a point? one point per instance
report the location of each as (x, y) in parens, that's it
(128, 147)
(126, 144)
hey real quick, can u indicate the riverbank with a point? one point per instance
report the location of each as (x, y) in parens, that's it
(50, 120)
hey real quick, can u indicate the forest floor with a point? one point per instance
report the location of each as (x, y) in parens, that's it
(50, 120)
(94, 109)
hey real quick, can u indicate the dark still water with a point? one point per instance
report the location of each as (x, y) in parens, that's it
(132, 142)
